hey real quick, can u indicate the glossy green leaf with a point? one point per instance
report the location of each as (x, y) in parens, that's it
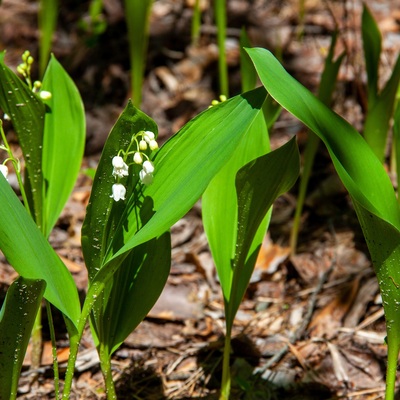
(27, 250)
(372, 44)
(377, 122)
(133, 291)
(17, 317)
(105, 217)
(220, 207)
(365, 179)
(258, 184)
(184, 167)
(26, 111)
(63, 142)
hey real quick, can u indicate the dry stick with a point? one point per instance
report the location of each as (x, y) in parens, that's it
(307, 318)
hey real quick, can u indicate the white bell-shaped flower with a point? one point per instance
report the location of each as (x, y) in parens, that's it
(146, 178)
(137, 158)
(148, 167)
(148, 136)
(118, 192)
(120, 168)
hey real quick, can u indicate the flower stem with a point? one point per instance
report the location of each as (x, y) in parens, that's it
(17, 168)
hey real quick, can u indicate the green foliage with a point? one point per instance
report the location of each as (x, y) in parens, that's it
(220, 19)
(372, 45)
(63, 142)
(17, 317)
(364, 177)
(380, 104)
(27, 250)
(137, 13)
(325, 91)
(48, 13)
(26, 111)
(116, 235)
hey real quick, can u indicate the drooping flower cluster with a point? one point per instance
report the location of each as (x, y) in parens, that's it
(140, 144)
(25, 70)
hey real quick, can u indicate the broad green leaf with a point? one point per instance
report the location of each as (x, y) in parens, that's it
(63, 142)
(17, 317)
(372, 44)
(220, 207)
(28, 251)
(26, 111)
(325, 91)
(365, 179)
(184, 166)
(258, 184)
(354, 160)
(188, 161)
(377, 122)
(104, 216)
(135, 289)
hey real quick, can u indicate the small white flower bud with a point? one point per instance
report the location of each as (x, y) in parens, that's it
(120, 168)
(118, 192)
(137, 158)
(148, 167)
(148, 136)
(45, 95)
(153, 145)
(142, 145)
(4, 170)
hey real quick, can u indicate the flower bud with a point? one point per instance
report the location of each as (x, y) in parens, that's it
(148, 136)
(142, 145)
(137, 158)
(153, 145)
(45, 95)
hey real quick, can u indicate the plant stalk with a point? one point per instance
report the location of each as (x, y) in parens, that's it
(220, 17)
(226, 368)
(393, 353)
(105, 364)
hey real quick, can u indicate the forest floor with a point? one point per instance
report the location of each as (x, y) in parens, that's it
(311, 325)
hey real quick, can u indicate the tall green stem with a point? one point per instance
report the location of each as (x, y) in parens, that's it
(226, 370)
(137, 14)
(105, 362)
(220, 17)
(393, 353)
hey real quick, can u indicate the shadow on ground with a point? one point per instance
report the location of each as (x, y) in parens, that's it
(248, 384)
(140, 383)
